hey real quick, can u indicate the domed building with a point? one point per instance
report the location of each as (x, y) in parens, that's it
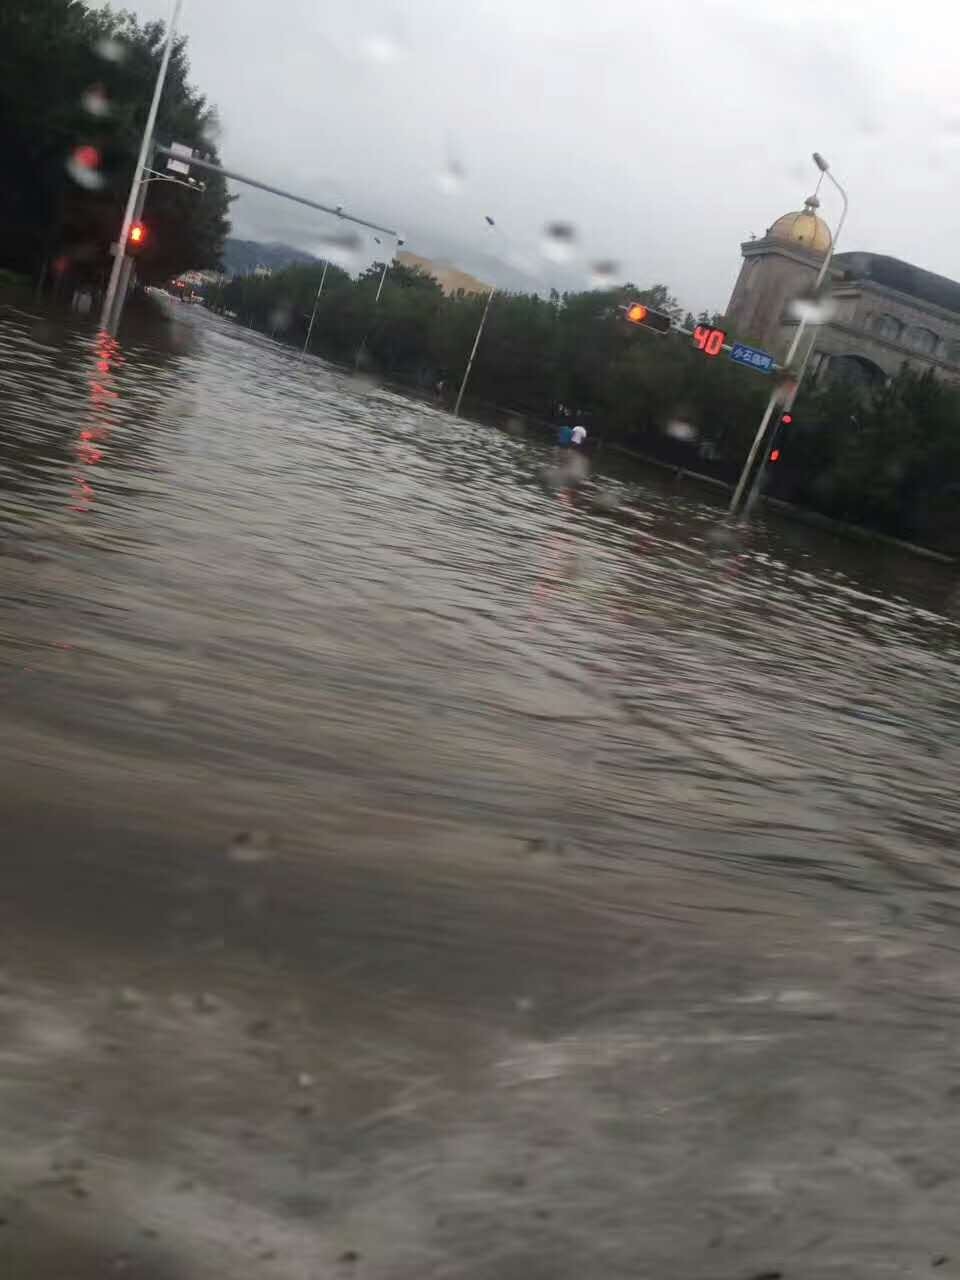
(883, 312)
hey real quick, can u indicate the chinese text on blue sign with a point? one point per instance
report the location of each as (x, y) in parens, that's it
(755, 359)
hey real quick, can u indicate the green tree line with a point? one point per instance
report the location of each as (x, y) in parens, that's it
(76, 83)
(887, 458)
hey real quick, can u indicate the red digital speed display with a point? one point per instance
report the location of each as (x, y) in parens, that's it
(708, 340)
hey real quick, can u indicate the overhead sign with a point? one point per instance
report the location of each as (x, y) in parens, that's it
(761, 360)
(180, 165)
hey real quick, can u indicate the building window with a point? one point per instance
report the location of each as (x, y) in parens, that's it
(886, 326)
(923, 341)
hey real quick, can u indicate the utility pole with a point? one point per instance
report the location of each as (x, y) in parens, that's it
(110, 315)
(476, 343)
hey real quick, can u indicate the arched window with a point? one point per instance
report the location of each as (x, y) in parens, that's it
(923, 341)
(886, 326)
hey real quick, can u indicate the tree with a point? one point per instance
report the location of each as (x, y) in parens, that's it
(72, 77)
(889, 458)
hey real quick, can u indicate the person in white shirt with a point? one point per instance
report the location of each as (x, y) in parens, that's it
(577, 436)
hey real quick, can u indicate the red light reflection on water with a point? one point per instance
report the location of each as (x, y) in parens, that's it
(86, 449)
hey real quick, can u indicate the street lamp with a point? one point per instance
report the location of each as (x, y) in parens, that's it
(313, 314)
(740, 493)
(476, 342)
(386, 267)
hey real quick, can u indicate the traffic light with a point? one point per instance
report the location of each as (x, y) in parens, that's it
(640, 314)
(774, 455)
(786, 419)
(137, 237)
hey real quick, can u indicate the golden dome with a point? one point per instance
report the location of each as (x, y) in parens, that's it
(804, 228)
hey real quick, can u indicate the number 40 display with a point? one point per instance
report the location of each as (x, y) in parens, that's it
(708, 340)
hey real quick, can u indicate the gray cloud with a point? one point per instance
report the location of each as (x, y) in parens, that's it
(664, 133)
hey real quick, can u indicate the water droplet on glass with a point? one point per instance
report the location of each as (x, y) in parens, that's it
(606, 500)
(129, 998)
(148, 706)
(602, 273)
(559, 241)
(677, 429)
(250, 847)
(450, 180)
(380, 49)
(342, 248)
(111, 50)
(206, 1003)
(95, 101)
(83, 166)
(305, 1080)
(280, 317)
(211, 130)
(812, 310)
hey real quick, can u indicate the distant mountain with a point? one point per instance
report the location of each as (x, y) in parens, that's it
(240, 257)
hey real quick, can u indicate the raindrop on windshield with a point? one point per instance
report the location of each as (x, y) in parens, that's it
(451, 178)
(559, 241)
(280, 318)
(83, 166)
(677, 429)
(111, 50)
(95, 101)
(250, 846)
(342, 248)
(603, 273)
(812, 310)
(380, 49)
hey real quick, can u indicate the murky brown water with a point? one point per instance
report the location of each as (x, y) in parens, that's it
(411, 873)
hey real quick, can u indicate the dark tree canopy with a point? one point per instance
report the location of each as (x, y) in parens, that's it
(888, 458)
(59, 60)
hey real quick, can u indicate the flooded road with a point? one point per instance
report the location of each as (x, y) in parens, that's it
(413, 873)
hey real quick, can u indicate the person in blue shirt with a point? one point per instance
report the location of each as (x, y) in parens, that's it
(564, 436)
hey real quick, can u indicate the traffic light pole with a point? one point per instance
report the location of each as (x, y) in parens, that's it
(126, 268)
(744, 496)
(110, 315)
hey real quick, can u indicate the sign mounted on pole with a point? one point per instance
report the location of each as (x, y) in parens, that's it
(178, 162)
(708, 339)
(761, 360)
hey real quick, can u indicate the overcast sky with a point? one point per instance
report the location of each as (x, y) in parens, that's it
(665, 133)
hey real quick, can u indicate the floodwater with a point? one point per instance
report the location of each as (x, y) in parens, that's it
(413, 873)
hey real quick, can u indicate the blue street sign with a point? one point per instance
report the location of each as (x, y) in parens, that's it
(755, 359)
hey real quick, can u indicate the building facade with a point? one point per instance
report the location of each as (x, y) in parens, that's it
(451, 280)
(882, 313)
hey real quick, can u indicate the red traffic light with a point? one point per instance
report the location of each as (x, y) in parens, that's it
(639, 314)
(774, 455)
(786, 419)
(709, 340)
